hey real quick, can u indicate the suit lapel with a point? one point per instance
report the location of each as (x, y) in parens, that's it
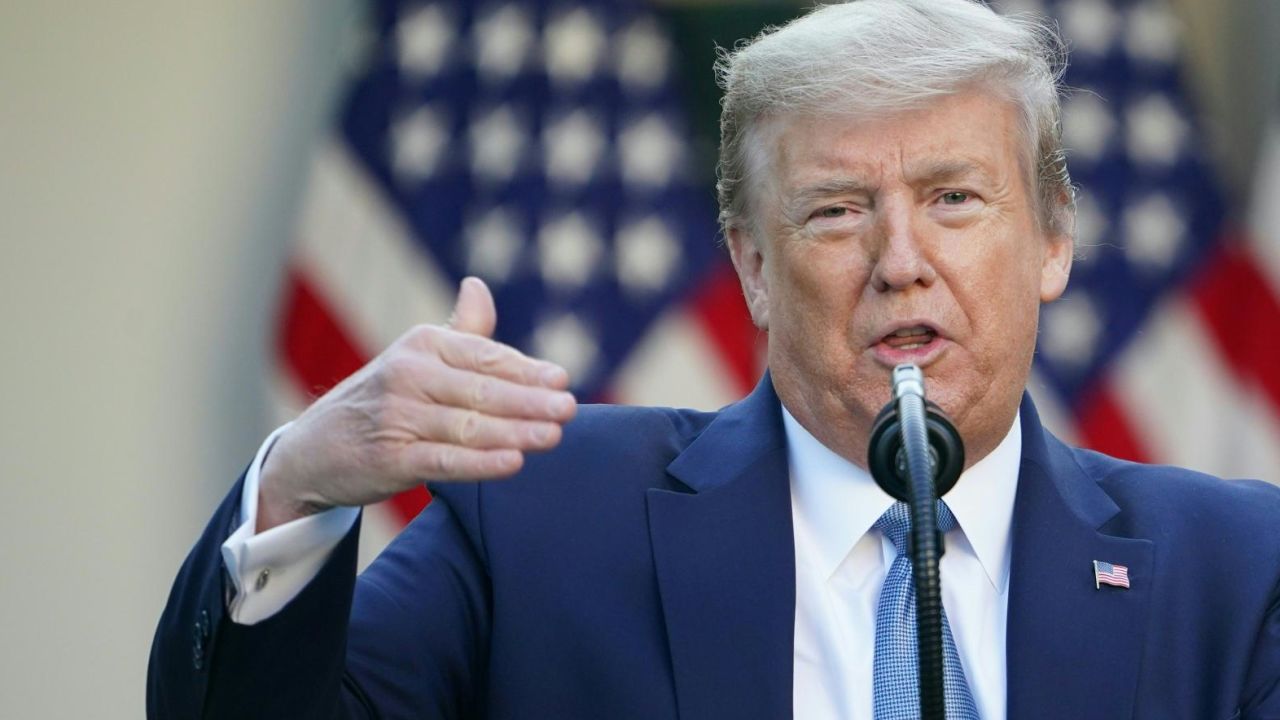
(725, 561)
(1073, 650)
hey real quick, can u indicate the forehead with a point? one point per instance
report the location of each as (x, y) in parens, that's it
(973, 132)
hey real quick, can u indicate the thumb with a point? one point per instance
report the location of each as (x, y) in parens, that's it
(473, 312)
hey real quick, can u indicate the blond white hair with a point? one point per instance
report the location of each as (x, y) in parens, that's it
(873, 58)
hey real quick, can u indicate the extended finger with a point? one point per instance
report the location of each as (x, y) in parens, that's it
(495, 396)
(442, 423)
(490, 357)
(444, 461)
(473, 311)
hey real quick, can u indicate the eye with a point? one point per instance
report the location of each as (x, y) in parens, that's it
(954, 197)
(833, 211)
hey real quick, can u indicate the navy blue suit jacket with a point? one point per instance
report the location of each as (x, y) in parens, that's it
(645, 569)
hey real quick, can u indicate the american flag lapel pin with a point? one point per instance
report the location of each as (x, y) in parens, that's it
(1105, 573)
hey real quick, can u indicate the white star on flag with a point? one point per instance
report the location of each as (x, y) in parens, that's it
(573, 46)
(418, 142)
(503, 39)
(574, 144)
(1071, 329)
(1090, 25)
(1152, 33)
(1153, 231)
(1091, 226)
(1087, 125)
(650, 152)
(565, 341)
(497, 141)
(493, 245)
(643, 55)
(1155, 132)
(424, 38)
(646, 253)
(569, 251)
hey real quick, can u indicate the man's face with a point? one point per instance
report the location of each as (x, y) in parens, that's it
(911, 238)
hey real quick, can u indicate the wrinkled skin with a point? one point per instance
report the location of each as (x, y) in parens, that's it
(444, 402)
(922, 220)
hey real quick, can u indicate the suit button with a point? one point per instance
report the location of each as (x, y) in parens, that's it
(197, 658)
(203, 624)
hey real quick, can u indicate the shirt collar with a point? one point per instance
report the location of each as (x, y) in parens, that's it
(840, 501)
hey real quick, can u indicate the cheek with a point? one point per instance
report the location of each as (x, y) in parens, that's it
(999, 290)
(816, 285)
(1010, 315)
(813, 296)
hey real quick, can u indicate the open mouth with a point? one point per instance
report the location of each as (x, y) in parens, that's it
(911, 338)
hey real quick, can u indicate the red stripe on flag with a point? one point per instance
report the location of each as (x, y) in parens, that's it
(1105, 426)
(316, 350)
(1240, 309)
(409, 503)
(317, 353)
(722, 313)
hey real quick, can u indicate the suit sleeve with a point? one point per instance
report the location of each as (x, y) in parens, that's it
(1261, 696)
(405, 640)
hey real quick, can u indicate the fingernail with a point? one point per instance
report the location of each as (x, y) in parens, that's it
(541, 434)
(560, 404)
(552, 375)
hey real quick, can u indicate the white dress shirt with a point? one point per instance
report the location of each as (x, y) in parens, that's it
(269, 569)
(840, 566)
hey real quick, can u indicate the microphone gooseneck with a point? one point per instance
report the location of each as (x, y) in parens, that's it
(908, 388)
(916, 454)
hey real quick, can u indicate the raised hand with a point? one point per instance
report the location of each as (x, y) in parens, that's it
(443, 402)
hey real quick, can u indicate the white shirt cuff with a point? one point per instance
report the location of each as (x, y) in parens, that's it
(269, 569)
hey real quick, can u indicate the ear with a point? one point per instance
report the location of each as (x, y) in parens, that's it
(1055, 266)
(748, 260)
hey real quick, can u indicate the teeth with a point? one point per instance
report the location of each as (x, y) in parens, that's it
(906, 332)
(911, 346)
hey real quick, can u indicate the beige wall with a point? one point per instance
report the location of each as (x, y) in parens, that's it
(150, 158)
(1233, 48)
(150, 154)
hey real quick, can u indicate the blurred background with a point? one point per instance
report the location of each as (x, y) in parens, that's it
(211, 211)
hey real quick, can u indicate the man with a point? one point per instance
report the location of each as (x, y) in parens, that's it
(892, 189)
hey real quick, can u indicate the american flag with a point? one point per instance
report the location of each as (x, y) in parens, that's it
(1160, 350)
(1104, 573)
(543, 146)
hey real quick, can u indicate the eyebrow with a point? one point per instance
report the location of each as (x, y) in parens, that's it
(932, 172)
(942, 171)
(839, 186)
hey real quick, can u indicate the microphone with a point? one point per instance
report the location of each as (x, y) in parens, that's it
(887, 452)
(914, 449)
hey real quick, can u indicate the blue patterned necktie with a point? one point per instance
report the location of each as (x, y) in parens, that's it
(896, 673)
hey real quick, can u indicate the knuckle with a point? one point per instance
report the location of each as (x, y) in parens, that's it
(468, 428)
(487, 356)
(424, 335)
(417, 332)
(481, 392)
(399, 370)
(552, 432)
(445, 462)
(394, 365)
(525, 403)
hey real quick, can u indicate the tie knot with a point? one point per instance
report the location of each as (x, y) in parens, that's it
(895, 523)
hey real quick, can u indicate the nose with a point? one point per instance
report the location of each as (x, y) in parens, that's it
(899, 253)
